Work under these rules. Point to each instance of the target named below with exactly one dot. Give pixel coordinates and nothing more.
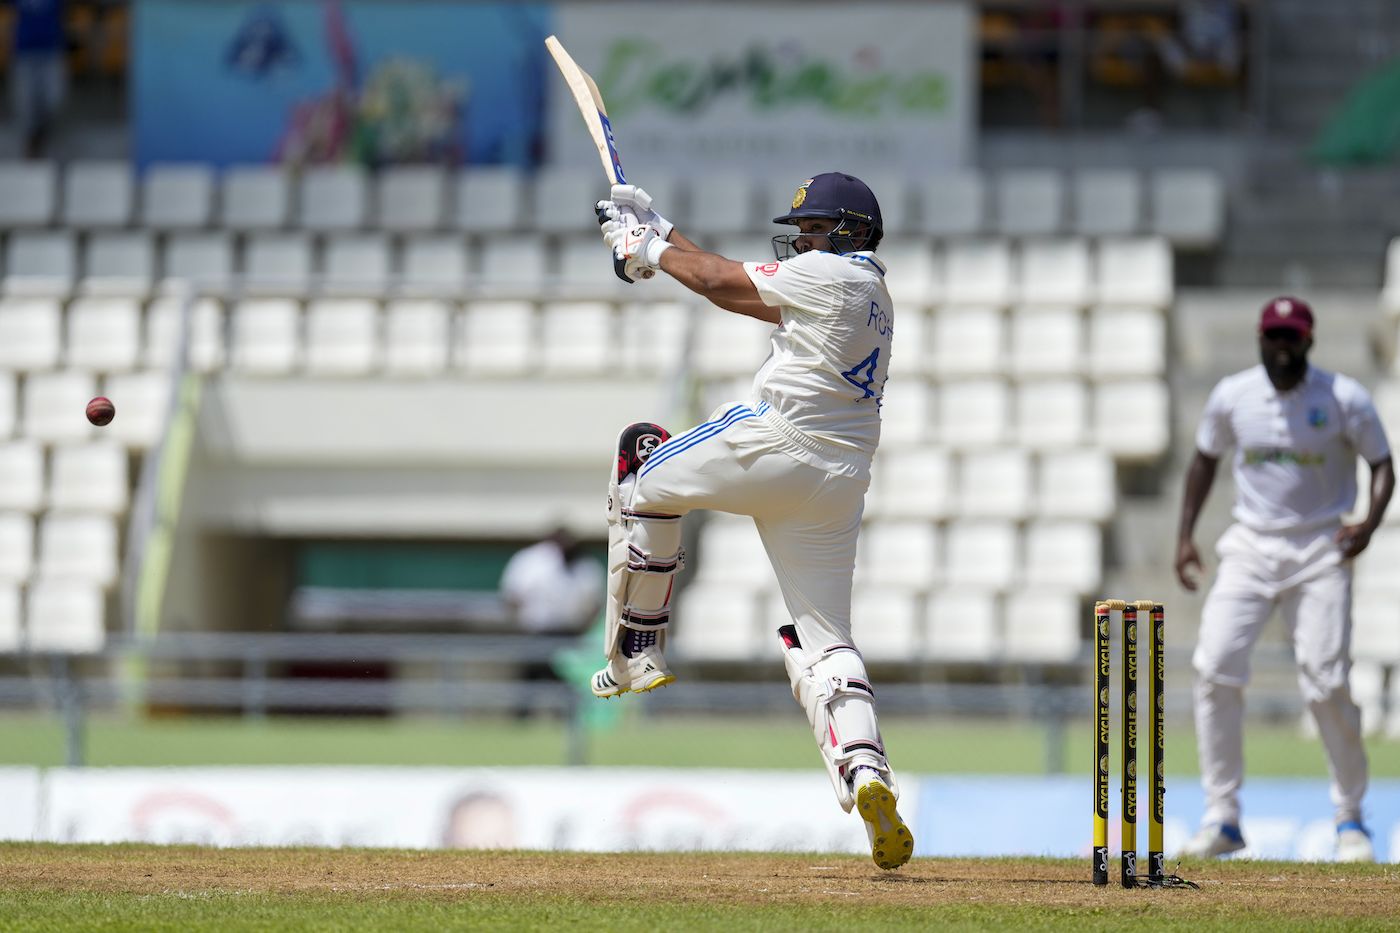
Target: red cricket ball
(101, 411)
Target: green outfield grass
(916, 745)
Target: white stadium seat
(907, 412)
(894, 191)
(206, 337)
(886, 623)
(65, 616)
(54, 405)
(411, 198)
(104, 334)
(968, 341)
(40, 264)
(204, 260)
(513, 263)
(333, 197)
(9, 404)
(89, 477)
(30, 333)
(1127, 342)
(912, 354)
(952, 203)
(489, 198)
(1132, 418)
(265, 336)
(977, 272)
(16, 547)
(177, 196)
(715, 622)
(78, 547)
(1054, 272)
(729, 344)
(1052, 413)
(356, 264)
(725, 204)
(417, 336)
(1135, 271)
(497, 337)
(434, 266)
(1063, 553)
(255, 197)
(962, 625)
(1029, 202)
(278, 263)
(1042, 626)
(730, 551)
(11, 618)
(1188, 206)
(1390, 293)
(1077, 484)
(342, 336)
(98, 194)
(142, 399)
(586, 264)
(653, 338)
(994, 483)
(22, 481)
(913, 483)
(564, 198)
(899, 553)
(28, 194)
(914, 275)
(1047, 341)
(974, 413)
(982, 553)
(1107, 202)
(1375, 620)
(577, 337)
(119, 264)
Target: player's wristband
(662, 225)
(655, 247)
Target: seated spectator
(37, 77)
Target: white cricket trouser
(808, 517)
(1304, 576)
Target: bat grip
(620, 265)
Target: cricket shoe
(1354, 843)
(1214, 839)
(646, 670)
(891, 842)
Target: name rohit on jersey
(1256, 456)
(880, 320)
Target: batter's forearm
(722, 281)
(681, 241)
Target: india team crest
(1317, 417)
(801, 194)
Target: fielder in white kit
(1297, 431)
(795, 456)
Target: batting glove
(633, 200)
(639, 248)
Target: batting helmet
(839, 197)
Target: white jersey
(1295, 451)
(831, 353)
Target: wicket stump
(1103, 668)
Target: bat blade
(591, 106)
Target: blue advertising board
(315, 81)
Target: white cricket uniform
(796, 455)
(1295, 476)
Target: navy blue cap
(836, 196)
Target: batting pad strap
(638, 561)
(646, 619)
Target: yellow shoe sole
(664, 680)
(892, 843)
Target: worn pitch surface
(46, 886)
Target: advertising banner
(621, 810)
(310, 81)
(724, 86)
